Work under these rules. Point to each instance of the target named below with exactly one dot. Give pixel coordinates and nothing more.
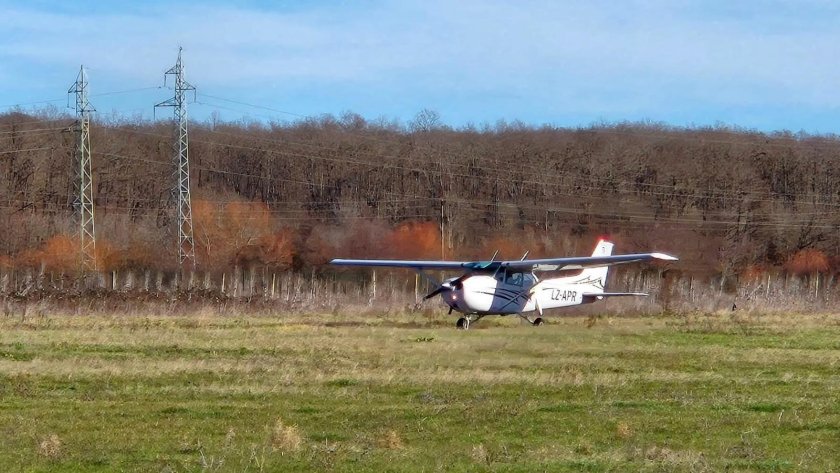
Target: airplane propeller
(456, 283)
(447, 286)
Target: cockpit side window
(528, 279)
(514, 279)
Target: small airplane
(513, 288)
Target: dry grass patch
(623, 430)
(665, 456)
(50, 447)
(285, 438)
(391, 440)
(230, 437)
(480, 454)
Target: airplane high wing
(546, 264)
(512, 288)
(397, 263)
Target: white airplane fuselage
(485, 294)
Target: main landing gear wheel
(463, 323)
(536, 322)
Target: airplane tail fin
(597, 277)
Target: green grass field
(410, 393)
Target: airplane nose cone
(454, 299)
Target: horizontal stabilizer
(600, 295)
(616, 294)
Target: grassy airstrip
(409, 393)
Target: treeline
(289, 196)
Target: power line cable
(577, 211)
(552, 184)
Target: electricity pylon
(186, 245)
(83, 205)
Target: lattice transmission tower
(186, 244)
(83, 204)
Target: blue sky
(767, 65)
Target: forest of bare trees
(739, 207)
